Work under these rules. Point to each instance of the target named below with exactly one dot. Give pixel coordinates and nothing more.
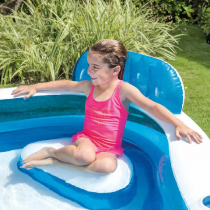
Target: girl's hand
(183, 130)
(24, 89)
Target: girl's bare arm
(159, 111)
(82, 86)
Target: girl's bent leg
(82, 153)
(105, 163)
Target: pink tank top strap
(91, 91)
(117, 90)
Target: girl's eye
(95, 67)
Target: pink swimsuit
(104, 122)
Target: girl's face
(99, 71)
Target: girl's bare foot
(41, 154)
(35, 163)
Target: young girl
(108, 97)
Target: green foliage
(170, 10)
(48, 37)
(187, 11)
(205, 20)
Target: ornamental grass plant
(44, 39)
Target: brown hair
(114, 53)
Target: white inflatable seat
(80, 177)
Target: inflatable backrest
(156, 79)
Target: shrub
(205, 20)
(170, 10)
(177, 10)
(45, 42)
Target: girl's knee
(109, 165)
(86, 156)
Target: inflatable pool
(158, 171)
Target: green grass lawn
(193, 65)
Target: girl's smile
(93, 78)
